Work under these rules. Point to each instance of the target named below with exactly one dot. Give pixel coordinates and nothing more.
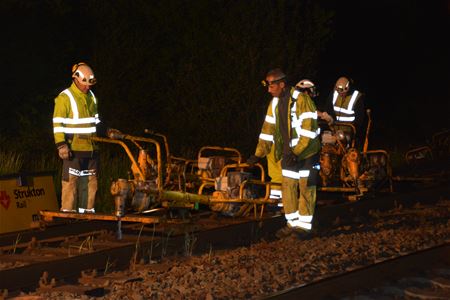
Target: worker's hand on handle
(252, 160)
(64, 152)
(326, 117)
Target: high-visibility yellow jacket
(302, 121)
(344, 108)
(75, 118)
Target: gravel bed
(270, 266)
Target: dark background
(192, 69)
(396, 51)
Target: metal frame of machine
(151, 188)
(344, 169)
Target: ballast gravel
(270, 266)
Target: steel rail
(226, 234)
(368, 277)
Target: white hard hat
(84, 74)
(305, 84)
(308, 86)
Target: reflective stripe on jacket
(75, 118)
(304, 131)
(343, 107)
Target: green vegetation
(10, 162)
(114, 164)
(190, 70)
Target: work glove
(64, 152)
(290, 159)
(114, 134)
(252, 160)
(326, 117)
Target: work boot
(302, 234)
(284, 232)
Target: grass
(87, 244)
(136, 249)
(113, 164)
(16, 242)
(151, 245)
(107, 266)
(165, 244)
(10, 162)
(210, 253)
(189, 242)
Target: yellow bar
(21, 199)
(49, 215)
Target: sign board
(21, 199)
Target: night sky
(395, 51)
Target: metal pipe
(224, 170)
(127, 150)
(221, 149)
(176, 196)
(133, 139)
(369, 124)
(342, 189)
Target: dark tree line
(187, 69)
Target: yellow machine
(438, 149)
(21, 199)
(216, 180)
(344, 169)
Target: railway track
(421, 275)
(68, 253)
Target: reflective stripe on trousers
(275, 194)
(295, 220)
(302, 204)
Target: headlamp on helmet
(266, 82)
(84, 74)
(342, 85)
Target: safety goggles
(266, 83)
(87, 81)
(90, 81)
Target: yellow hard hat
(342, 85)
(84, 74)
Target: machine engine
(228, 188)
(345, 169)
(136, 193)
